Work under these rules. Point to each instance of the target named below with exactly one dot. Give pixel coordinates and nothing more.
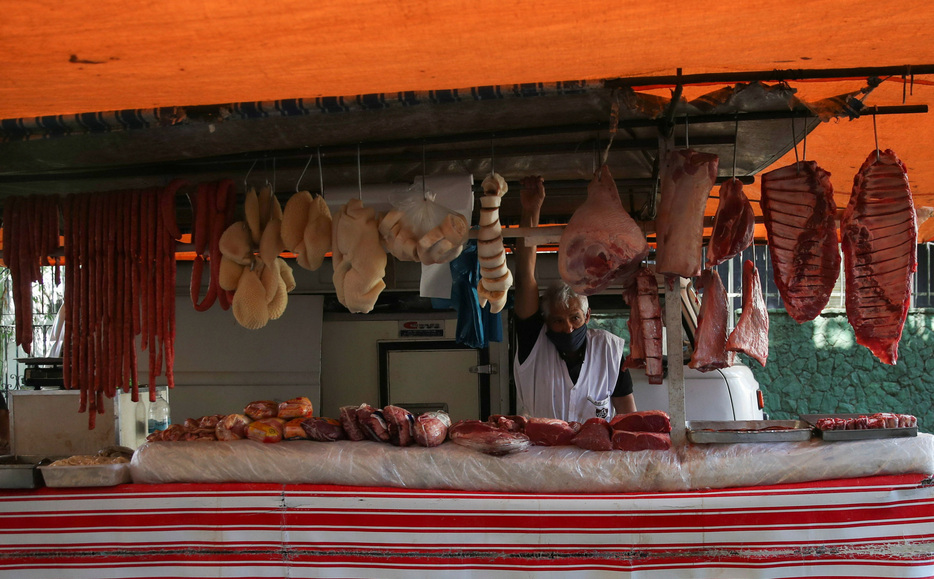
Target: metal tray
(865, 434)
(94, 475)
(734, 431)
(19, 472)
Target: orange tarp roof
(71, 57)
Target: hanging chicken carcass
(687, 177)
(799, 212)
(878, 235)
(601, 243)
(733, 224)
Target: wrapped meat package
(431, 428)
(295, 408)
(232, 427)
(323, 429)
(261, 409)
(265, 430)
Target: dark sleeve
(527, 331)
(623, 385)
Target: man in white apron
(562, 369)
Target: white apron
(544, 388)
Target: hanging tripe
(251, 266)
(495, 277)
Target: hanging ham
(733, 224)
(601, 243)
(710, 351)
(686, 180)
(751, 334)
(799, 211)
(878, 234)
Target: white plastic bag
(420, 229)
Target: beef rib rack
(879, 234)
(799, 213)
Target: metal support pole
(675, 360)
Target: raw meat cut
(799, 212)
(710, 351)
(323, 429)
(751, 334)
(400, 423)
(549, 432)
(733, 224)
(635, 441)
(877, 420)
(601, 243)
(348, 418)
(266, 430)
(373, 424)
(642, 421)
(879, 234)
(293, 430)
(431, 428)
(511, 422)
(594, 435)
(299, 407)
(686, 180)
(645, 326)
(260, 409)
(232, 427)
(486, 438)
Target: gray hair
(561, 293)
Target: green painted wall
(817, 367)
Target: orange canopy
(70, 57)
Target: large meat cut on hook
(878, 235)
(687, 177)
(601, 243)
(799, 212)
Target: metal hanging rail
(776, 75)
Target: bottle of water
(158, 415)
(142, 424)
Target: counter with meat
(537, 469)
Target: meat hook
(320, 173)
(245, 184)
(735, 138)
(794, 143)
(492, 154)
(424, 174)
(875, 133)
(298, 182)
(359, 175)
(614, 126)
(687, 138)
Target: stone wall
(817, 367)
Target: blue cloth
(476, 326)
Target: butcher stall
(205, 232)
(793, 509)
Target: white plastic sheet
(541, 469)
